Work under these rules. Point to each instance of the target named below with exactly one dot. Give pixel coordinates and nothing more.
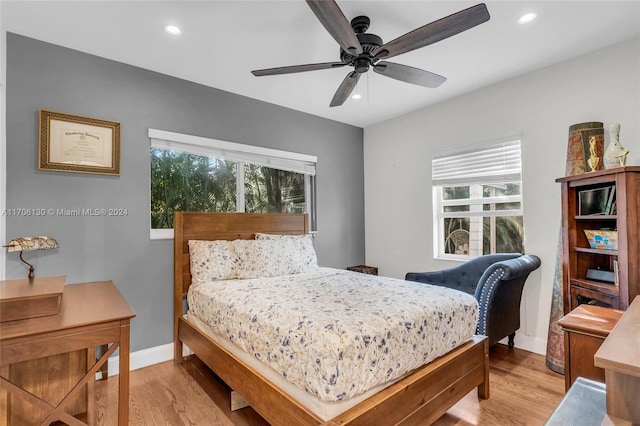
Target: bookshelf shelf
(602, 287)
(596, 217)
(596, 251)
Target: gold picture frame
(79, 144)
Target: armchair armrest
(507, 270)
(515, 268)
(499, 294)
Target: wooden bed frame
(419, 398)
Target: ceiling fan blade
(434, 32)
(346, 87)
(331, 17)
(297, 68)
(409, 74)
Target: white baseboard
(158, 354)
(529, 343)
(143, 358)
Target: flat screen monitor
(596, 201)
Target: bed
(418, 397)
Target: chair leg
(512, 336)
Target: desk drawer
(22, 349)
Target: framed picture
(74, 143)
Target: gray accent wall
(95, 248)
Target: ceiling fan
(364, 51)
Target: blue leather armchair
(496, 281)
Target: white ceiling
(222, 41)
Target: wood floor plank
(523, 392)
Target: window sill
(161, 234)
(454, 257)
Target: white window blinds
(487, 162)
(267, 157)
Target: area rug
(555, 337)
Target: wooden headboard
(222, 226)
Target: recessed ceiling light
(527, 17)
(173, 30)
(356, 96)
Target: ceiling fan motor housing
(369, 43)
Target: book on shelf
(610, 200)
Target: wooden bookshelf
(577, 255)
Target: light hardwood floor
(523, 392)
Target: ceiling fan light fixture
(173, 30)
(356, 94)
(527, 18)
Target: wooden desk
(91, 314)
(585, 329)
(620, 358)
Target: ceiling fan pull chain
(367, 87)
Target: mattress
(335, 333)
(326, 410)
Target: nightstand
(371, 270)
(585, 329)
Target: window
(477, 199)
(190, 173)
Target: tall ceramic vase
(586, 143)
(615, 155)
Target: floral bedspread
(337, 333)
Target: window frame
(242, 154)
(508, 174)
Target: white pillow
(212, 260)
(266, 258)
(304, 246)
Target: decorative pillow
(304, 245)
(266, 258)
(212, 260)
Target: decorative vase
(586, 142)
(615, 155)
(593, 160)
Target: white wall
(3, 144)
(602, 86)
